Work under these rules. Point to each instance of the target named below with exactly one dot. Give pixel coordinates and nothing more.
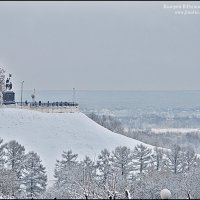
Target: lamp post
(73, 95)
(33, 97)
(21, 91)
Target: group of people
(39, 103)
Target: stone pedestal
(8, 97)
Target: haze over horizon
(99, 46)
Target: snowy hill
(48, 134)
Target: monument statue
(8, 95)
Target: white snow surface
(48, 134)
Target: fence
(55, 107)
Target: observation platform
(55, 107)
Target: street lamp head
(33, 96)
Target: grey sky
(100, 45)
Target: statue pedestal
(8, 97)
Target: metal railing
(54, 107)
(48, 104)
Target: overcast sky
(100, 45)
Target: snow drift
(48, 134)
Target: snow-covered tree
(66, 171)
(35, 178)
(109, 180)
(190, 183)
(104, 165)
(108, 122)
(157, 157)
(142, 157)
(74, 179)
(87, 182)
(114, 125)
(64, 165)
(108, 177)
(94, 117)
(2, 154)
(7, 183)
(190, 158)
(122, 160)
(15, 154)
(175, 159)
(88, 166)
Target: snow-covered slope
(48, 134)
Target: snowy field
(48, 134)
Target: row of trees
(165, 140)
(22, 175)
(108, 122)
(123, 173)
